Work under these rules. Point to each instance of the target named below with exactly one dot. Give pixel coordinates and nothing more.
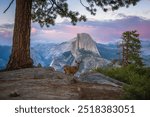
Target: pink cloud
(64, 33)
(144, 31)
(100, 31)
(78, 29)
(54, 33)
(5, 33)
(33, 30)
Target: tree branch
(82, 4)
(52, 5)
(8, 6)
(54, 2)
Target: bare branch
(82, 4)
(8, 6)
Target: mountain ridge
(84, 41)
(45, 53)
(81, 48)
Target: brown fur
(71, 69)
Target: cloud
(121, 15)
(7, 26)
(104, 31)
(146, 12)
(6, 34)
(5, 29)
(33, 30)
(100, 31)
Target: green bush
(137, 80)
(140, 89)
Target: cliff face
(85, 42)
(82, 48)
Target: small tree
(131, 47)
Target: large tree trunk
(20, 56)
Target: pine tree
(45, 13)
(131, 48)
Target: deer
(71, 69)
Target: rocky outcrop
(42, 83)
(82, 48)
(94, 77)
(83, 41)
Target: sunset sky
(103, 28)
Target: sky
(103, 28)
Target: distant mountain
(79, 48)
(42, 53)
(146, 52)
(39, 54)
(108, 51)
(84, 41)
(4, 55)
(146, 59)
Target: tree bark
(20, 55)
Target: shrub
(139, 90)
(137, 80)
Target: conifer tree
(131, 48)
